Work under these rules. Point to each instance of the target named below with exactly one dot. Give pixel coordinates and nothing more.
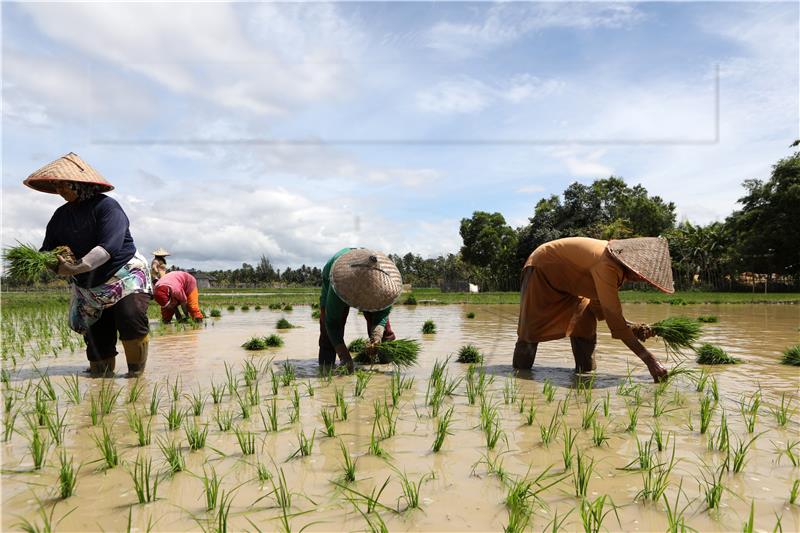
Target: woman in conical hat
(158, 266)
(569, 284)
(360, 278)
(110, 284)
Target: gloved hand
(66, 269)
(642, 331)
(345, 357)
(377, 335)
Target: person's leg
(101, 345)
(524, 355)
(583, 337)
(131, 319)
(327, 355)
(524, 350)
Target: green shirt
(336, 310)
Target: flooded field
(536, 450)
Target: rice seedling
(224, 420)
(712, 488)
(223, 509)
(270, 422)
(175, 389)
(530, 415)
(262, 472)
(26, 262)
(349, 464)
(676, 516)
(246, 440)
(707, 319)
(633, 418)
(8, 425)
(108, 447)
(362, 379)
(274, 382)
(581, 474)
(791, 356)
(288, 307)
(782, 412)
(708, 354)
(470, 315)
(398, 384)
(789, 451)
(174, 416)
(195, 435)
(173, 455)
(401, 352)
(211, 485)
(197, 402)
(720, 439)
(341, 406)
(253, 395)
(275, 306)
(217, 393)
(706, 411)
(375, 442)
(231, 380)
(715, 390)
(155, 400)
(9, 399)
(740, 451)
(48, 526)
(593, 513)
(411, 491)
(569, 443)
(749, 412)
(245, 408)
(607, 405)
(137, 425)
(231, 308)
(38, 447)
(548, 391)
(67, 476)
(56, 426)
(107, 396)
(328, 418)
(304, 445)
(429, 327)
(255, 343)
(469, 354)
(510, 390)
(357, 346)
(281, 492)
(289, 375)
(215, 313)
(315, 314)
(599, 433)
(273, 341)
(645, 456)
(372, 499)
(655, 480)
(556, 524)
(794, 491)
(677, 332)
(588, 416)
(135, 391)
(548, 432)
(41, 407)
(701, 380)
(249, 373)
(442, 429)
(72, 389)
(145, 482)
(245, 307)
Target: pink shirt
(181, 283)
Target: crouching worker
(360, 278)
(110, 283)
(177, 291)
(569, 284)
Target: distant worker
(110, 283)
(360, 278)
(569, 284)
(158, 266)
(176, 291)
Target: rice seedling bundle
(357, 346)
(401, 352)
(708, 354)
(26, 263)
(283, 324)
(429, 327)
(791, 356)
(469, 354)
(677, 332)
(707, 319)
(261, 343)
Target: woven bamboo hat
(366, 279)
(161, 253)
(67, 168)
(648, 257)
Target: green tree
(491, 245)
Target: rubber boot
(103, 367)
(583, 351)
(524, 355)
(136, 355)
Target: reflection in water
(458, 494)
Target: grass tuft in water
(195, 435)
(283, 324)
(791, 356)
(172, 454)
(246, 440)
(108, 447)
(429, 327)
(145, 481)
(442, 429)
(67, 475)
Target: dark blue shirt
(82, 225)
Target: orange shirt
(575, 268)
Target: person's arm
(166, 315)
(379, 319)
(96, 257)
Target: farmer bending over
(569, 284)
(175, 291)
(110, 284)
(360, 278)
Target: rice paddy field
(215, 437)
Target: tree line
(759, 243)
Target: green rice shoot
(24, 262)
(678, 333)
(469, 354)
(283, 324)
(401, 352)
(708, 354)
(708, 319)
(791, 356)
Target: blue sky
(293, 129)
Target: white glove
(377, 335)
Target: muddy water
(459, 493)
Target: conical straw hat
(161, 253)
(648, 257)
(67, 168)
(366, 279)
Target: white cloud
(463, 95)
(531, 189)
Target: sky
(232, 130)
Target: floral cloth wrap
(87, 304)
